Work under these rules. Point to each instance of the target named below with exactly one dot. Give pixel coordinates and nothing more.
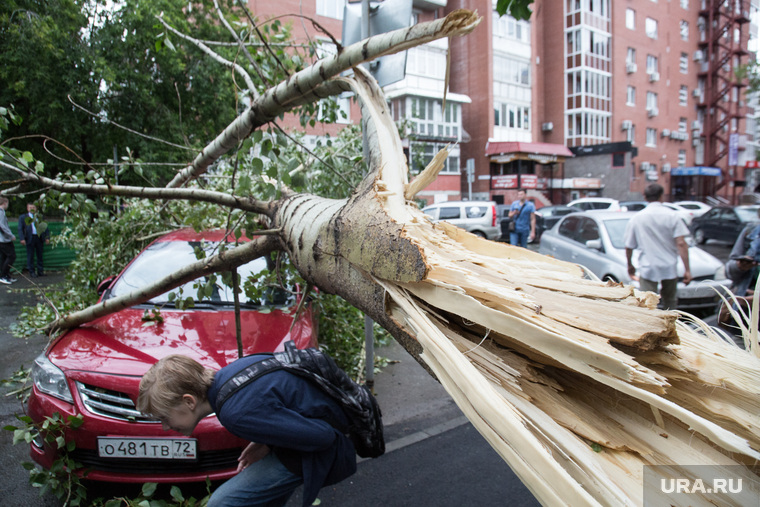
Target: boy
(297, 432)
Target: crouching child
(297, 432)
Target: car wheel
(699, 236)
(609, 278)
(479, 234)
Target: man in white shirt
(659, 233)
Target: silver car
(477, 217)
(595, 240)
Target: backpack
(358, 403)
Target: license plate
(153, 448)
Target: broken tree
(578, 384)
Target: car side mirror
(105, 284)
(596, 244)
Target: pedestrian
(741, 267)
(7, 251)
(660, 235)
(523, 213)
(34, 235)
(297, 431)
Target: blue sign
(695, 171)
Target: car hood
(124, 344)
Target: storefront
(694, 183)
(530, 166)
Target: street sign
(383, 17)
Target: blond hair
(164, 384)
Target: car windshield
(163, 258)
(616, 231)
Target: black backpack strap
(245, 377)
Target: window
(512, 116)
(684, 30)
(630, 135)
(651, 28)
(683, 63)
(509, 70)
(429, 120)
(652, 102)
(681, 158)
(683, 95)
(331, 8)
(685, 4)
(682, 124)
(422, 154)
(651, 138)
(630, 96)
(630, 57)
(652, 64)
(630, 19)
(448, 213)
(510, 28)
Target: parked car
(690, 209)
(95, 370)
(685, 215)
(596, 240)
(633, 205)
(547, 216)
(596, 204)
(723, 223)
(477, 217)
(696, 208)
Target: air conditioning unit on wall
(654, 76)
(626, 125)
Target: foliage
(518, 9)
(63, 479)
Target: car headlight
(720, 273)
(49, 379)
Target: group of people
(33, 235)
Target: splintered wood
(576, 383)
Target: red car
(95, 370)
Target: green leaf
(169, 44)
(176, 494)
(27, 157)
(149, 489)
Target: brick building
(589, 97)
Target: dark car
(547, 216)
(95, 370)
(723, 223)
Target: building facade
(589, 97)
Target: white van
(477, 217)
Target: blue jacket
(292, 416)
(25, 231)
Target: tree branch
(247, 54)
(213, 54)
(220, 198)
(223, 261)
(303, 86)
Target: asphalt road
(435, 457)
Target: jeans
(7, 258)
(264, 483)
(668, 298)
(519, 238)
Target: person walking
(659, 234)
(34, 235)
(523, 213)
(7, 252)
(297, 431)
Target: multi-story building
(589, 97)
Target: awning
(543, 153)
(695, 171)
